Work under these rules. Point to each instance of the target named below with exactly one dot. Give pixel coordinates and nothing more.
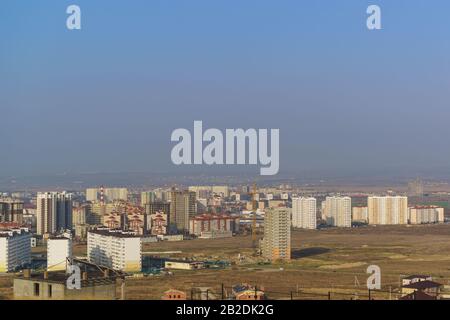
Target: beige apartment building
(387, 210)
(359, 214)
(425, 214)
(182, 208)
(338, 211)
(276, 244)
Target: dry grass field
(327, 260)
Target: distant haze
(347, 101)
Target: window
(36, 289)
(49, 290)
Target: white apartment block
(116, 249)
(59, 249)
(15, 249)
(304, 213)
(276, 244)
(338, 211)
(387, 210)
(425, 214)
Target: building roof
(119, 233)
(417, 295)
(95, 275)
(423, 285)
(426, 207)
(416, 276)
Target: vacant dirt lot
(328, 260)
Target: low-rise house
(174, 294)
(415, 278)
(247, 292)
(417, 295)
(431, 288)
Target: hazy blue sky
(107, 98)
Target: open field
(328, 260)
(324, 260)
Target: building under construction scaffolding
(97, 283)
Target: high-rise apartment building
(109, 194)
(147, 197)
(182, 208)
(359, 214)
(338, 211)
(11, 210)
(387, 210)
(276, 244)
(59, 249)
(425, 214)
(116, 249)
(304, 213)
(54, 212)
(15, 249)
(205, 191)
(415, 188)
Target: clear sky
(107, 97)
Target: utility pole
(122, 289)
(222, 292)
(255, 207)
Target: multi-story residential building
(54, 212)
(213, 226)
(338, 211)
(157, 208)
(147, 197)
(304, 213)
(387, 210)
(415, 188)
(359, 214)
(109, 194)
(276, 244)
(425, 214)
(158, 224)
(11, 210)
(82, 218)
(205, 191)
(99, 210)
(116, 249)
(182, 208)
(59, 249)
(15, 249)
